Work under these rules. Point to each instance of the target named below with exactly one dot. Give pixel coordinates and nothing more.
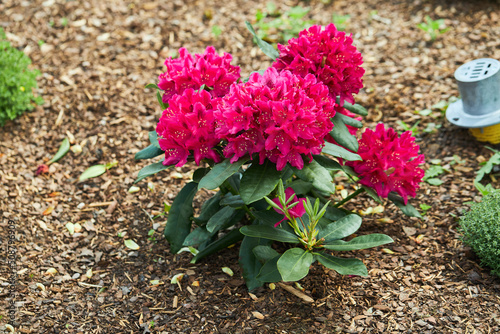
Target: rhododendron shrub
(269, 147)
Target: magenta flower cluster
(282, 115)
(278, 115)
(209, 69)
(188, 125)
(327, 54)
(390, 163)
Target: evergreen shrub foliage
(16, 82)
(481, 230)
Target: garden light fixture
(479, 107)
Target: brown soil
(94, 70)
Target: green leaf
(209, 208)
(149, 152)
(249, 263)
(151, 170)
(434, 182)
(258, 181)
(355, 108)
(227, 240)
(179, 218)
(344, 266)
(334, 214)
(269, 271)
(153, 138)
(433, 171)
(340, 152)
(151, 85)
(294, 264)
(264, 252)
(349, 120)
(233, 201)
(269, 232)
(200, 173)
(268, 217)
(328, 163)
(197, 236)
(342, 135)
(341, 228)
(361, 242)
(221, 218)
(407, 209)
(130, 244)
(488, 166)
(92, 171)
(61, 152)
(220, 173)
(316, 174)
(267, 48)
(160, 100)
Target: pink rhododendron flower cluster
(327, 54)
(208, 69)
(390, 163)
(187, 127)
(295, 212)
(278, 115)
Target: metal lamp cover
(479, 86)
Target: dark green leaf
(301, 187)
(233, 201)
(197, 236)
(267, 48)
(341, 228)
(92, 171)
(407, 209)
(229, 239)
(179, 217)
(361, 242)
(220, 173)
(269, 271)
(209, 208)
(149, 152)
(200, 173)
(356, 108)
(269, 232)
(294, 264)
(249, 263)
(221, 218)
(151, 170)
(342, 135)
(344, 266)
(372, 193)
(349, 120)
(264, 253)
(268, 217)
(258, 181)
(328, 163)
(340, 152)
(316, 174)
(334, 214)
(61, 152)
(153, 138)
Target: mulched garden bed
(97, 56)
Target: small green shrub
(16, 82)
(481, 230)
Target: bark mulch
(97, 56)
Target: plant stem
(348, 198)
